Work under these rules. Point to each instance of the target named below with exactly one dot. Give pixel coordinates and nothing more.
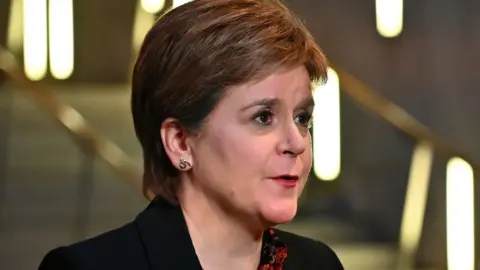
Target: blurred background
(395, 135)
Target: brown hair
(194, 53)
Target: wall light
(35, 39)
(326, 128)
(152, 6)
(389, 15)
(60, 23)
(460, 215)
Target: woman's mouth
(286, 180)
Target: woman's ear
(174, 138)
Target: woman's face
(254, 154)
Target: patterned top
(274, 252)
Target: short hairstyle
(194, 53)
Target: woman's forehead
(290, 84)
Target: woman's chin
(280, 212)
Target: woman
(221, 103)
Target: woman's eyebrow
(267, 102)
(307, 102)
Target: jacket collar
(164, 233)
(165, 236)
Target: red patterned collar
(274, 252)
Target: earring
(183, 164)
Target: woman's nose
(293, 141)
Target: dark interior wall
(4, 16)
(103, 39)
(431, 71)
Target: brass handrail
(397, 116)
(86, 137)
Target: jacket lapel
(165, 237)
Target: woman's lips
(286, 180)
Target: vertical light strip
(177, 3)
(389, 15)
(15, 26)
(35, 38)
(326, 128)
(415, 204)
(61, 38)
(460, 215)
(143, 21)
(152, 6)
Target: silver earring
(183, 164)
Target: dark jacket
(158, 239)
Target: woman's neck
(221, 241)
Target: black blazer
(158, 239)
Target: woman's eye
(304, 119)
(264, 118)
